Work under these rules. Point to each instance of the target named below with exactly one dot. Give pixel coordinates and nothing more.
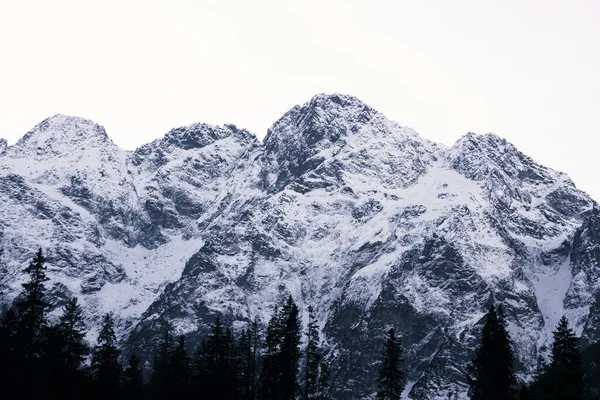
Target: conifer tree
(391, 375)
(214, 357)
(217, 373)
(564, 378)
(504, 356)
(246, 362)
(179, 371)
(290, 349)
(32, 311)
(270, 377)
(279, 378)
(538, 387)
(133, 380)
(105, 368)
(71, 328)
(200, 369)
(161, 375)
(230, 368)
(32, 325)
(490, 373)
(248, 345)
(65, 353)
(312, 358)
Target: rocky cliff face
(341, 208)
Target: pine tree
(180, 373)
(105, 367)
(312, 358)
(32, 311)
(279, 378)
(230, 372)
(217, 373)
(71, 328)
(538, 387)
(213, 374)
(32, 326)
(506, 378)
(161, 374)
(564, 378)
(200, 370)
(133, 380)
(65, 353)
(245, 359)
(490, 373)
(290, 349)
(270, 377)
(391, 375)
(248, 346)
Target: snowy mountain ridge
(343, 209)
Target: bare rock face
(356, 215)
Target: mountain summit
(348, 212)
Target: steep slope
(343, 209)
(116, 226)
(375, 226)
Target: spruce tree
(248, 346)
(230, 373)
(32, 327)
(312, 357)
(71, 328)
(65, 353)
(245, 360)
(32, 311)
(200, 369)
(270, 377)
(290, 349)
(214, 356)
(564, 378)
(391, 375)
(279, 378)
(506, 378)
(217, 373)
(133, 380)
(490, 373)
(179, 371)
(105, 368)
(161, 373)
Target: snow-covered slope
(343, 209)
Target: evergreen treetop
(391, 375)
(105, 367)
(490, 373)
(32, 309)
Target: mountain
(356, 215)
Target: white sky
(526, 70)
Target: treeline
(54, 361)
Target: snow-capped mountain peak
(58, 135)
(356, 215)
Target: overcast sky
(526, 70)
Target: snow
(378, 194)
